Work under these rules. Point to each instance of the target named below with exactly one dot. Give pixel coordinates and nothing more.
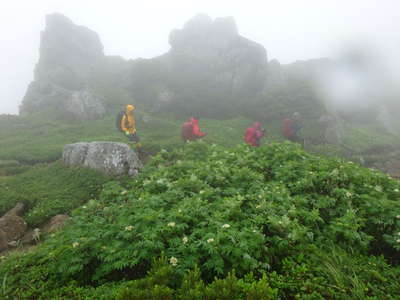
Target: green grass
(47, 190)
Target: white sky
(289, 29)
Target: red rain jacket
(253, 135)
(191, 130)
(287, 128)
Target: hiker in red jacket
(291, 127)
(191, 130)
(254, 134)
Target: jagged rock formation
(69, 57)
(208, 60)
(111, 158)
(212, 52)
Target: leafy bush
(304, 226)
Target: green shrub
(292, 219)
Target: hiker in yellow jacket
(128, 124)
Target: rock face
(212, 52)
(12, 227)
(111, 158)
(69, 58)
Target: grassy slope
(47, 190)
(310, 224)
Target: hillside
(213, 219)
(269, 222)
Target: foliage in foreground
(304, 227)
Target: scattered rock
(3, 241)
(108, 157)
(55, 223)
(16, 211)
(31, 237)
(12, 227)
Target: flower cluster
(173, 261)
(129, 228)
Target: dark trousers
(134, 138)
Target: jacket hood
(129, 108)
(257, 125)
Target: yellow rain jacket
(128, 123)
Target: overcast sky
(289, 29)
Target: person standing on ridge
(191, 130)
(127, 124)
(254, 134)
(291, 127)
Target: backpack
(187, 131)
(118, 120)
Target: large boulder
(70, 56)
(108, 157)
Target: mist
(288, 30)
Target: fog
(289, 30)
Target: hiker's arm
(123, 123)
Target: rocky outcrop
(12, 227)
(212, 52)
(69, 58)
(108, 157)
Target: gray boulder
(111, 158)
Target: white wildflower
(210, 240)
(398, 216)
(124, 192)
(185, 239)
(171, 224)
(396, 190)
(348, 194)
(75, 244)
(398, 241)
(226, 226)
(173, 261)
(129, 228)
(84, 206)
